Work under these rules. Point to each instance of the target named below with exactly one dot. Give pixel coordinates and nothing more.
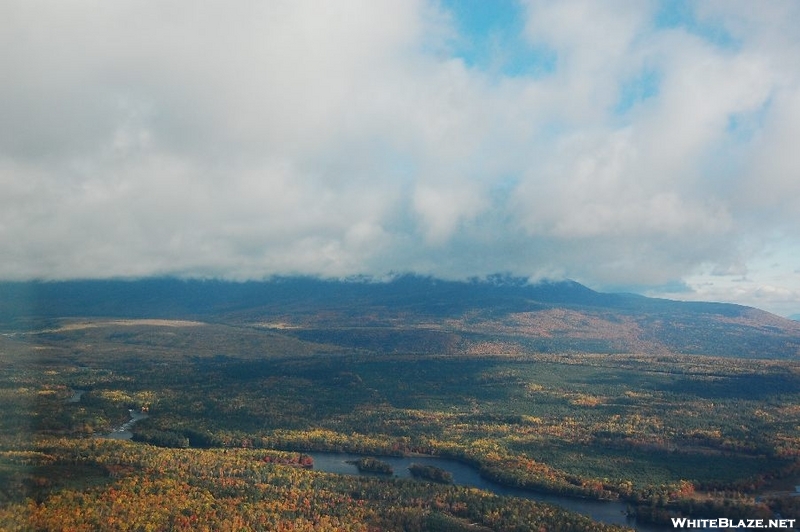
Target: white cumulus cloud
(243, 140)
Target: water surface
(611, 512)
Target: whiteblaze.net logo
(722, 522)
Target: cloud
(618, 143)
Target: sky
(645, 146)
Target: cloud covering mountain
(639, 145)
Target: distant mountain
(421, 314)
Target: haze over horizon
(645, 146)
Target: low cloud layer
(627, 145)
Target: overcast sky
(647, 146)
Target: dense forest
(226, 412)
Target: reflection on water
(76, 396)
(123, 432)
(611, 512)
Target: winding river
(123, 432)
(611, 512)
(76, 396)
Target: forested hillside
(424, 315)
(665, 408)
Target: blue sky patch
(643, 86)
(491, 38)
(742, 127)
(681, 14)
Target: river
(611, 512)
(76, 396)
(123, 432)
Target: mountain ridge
(415, 313)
